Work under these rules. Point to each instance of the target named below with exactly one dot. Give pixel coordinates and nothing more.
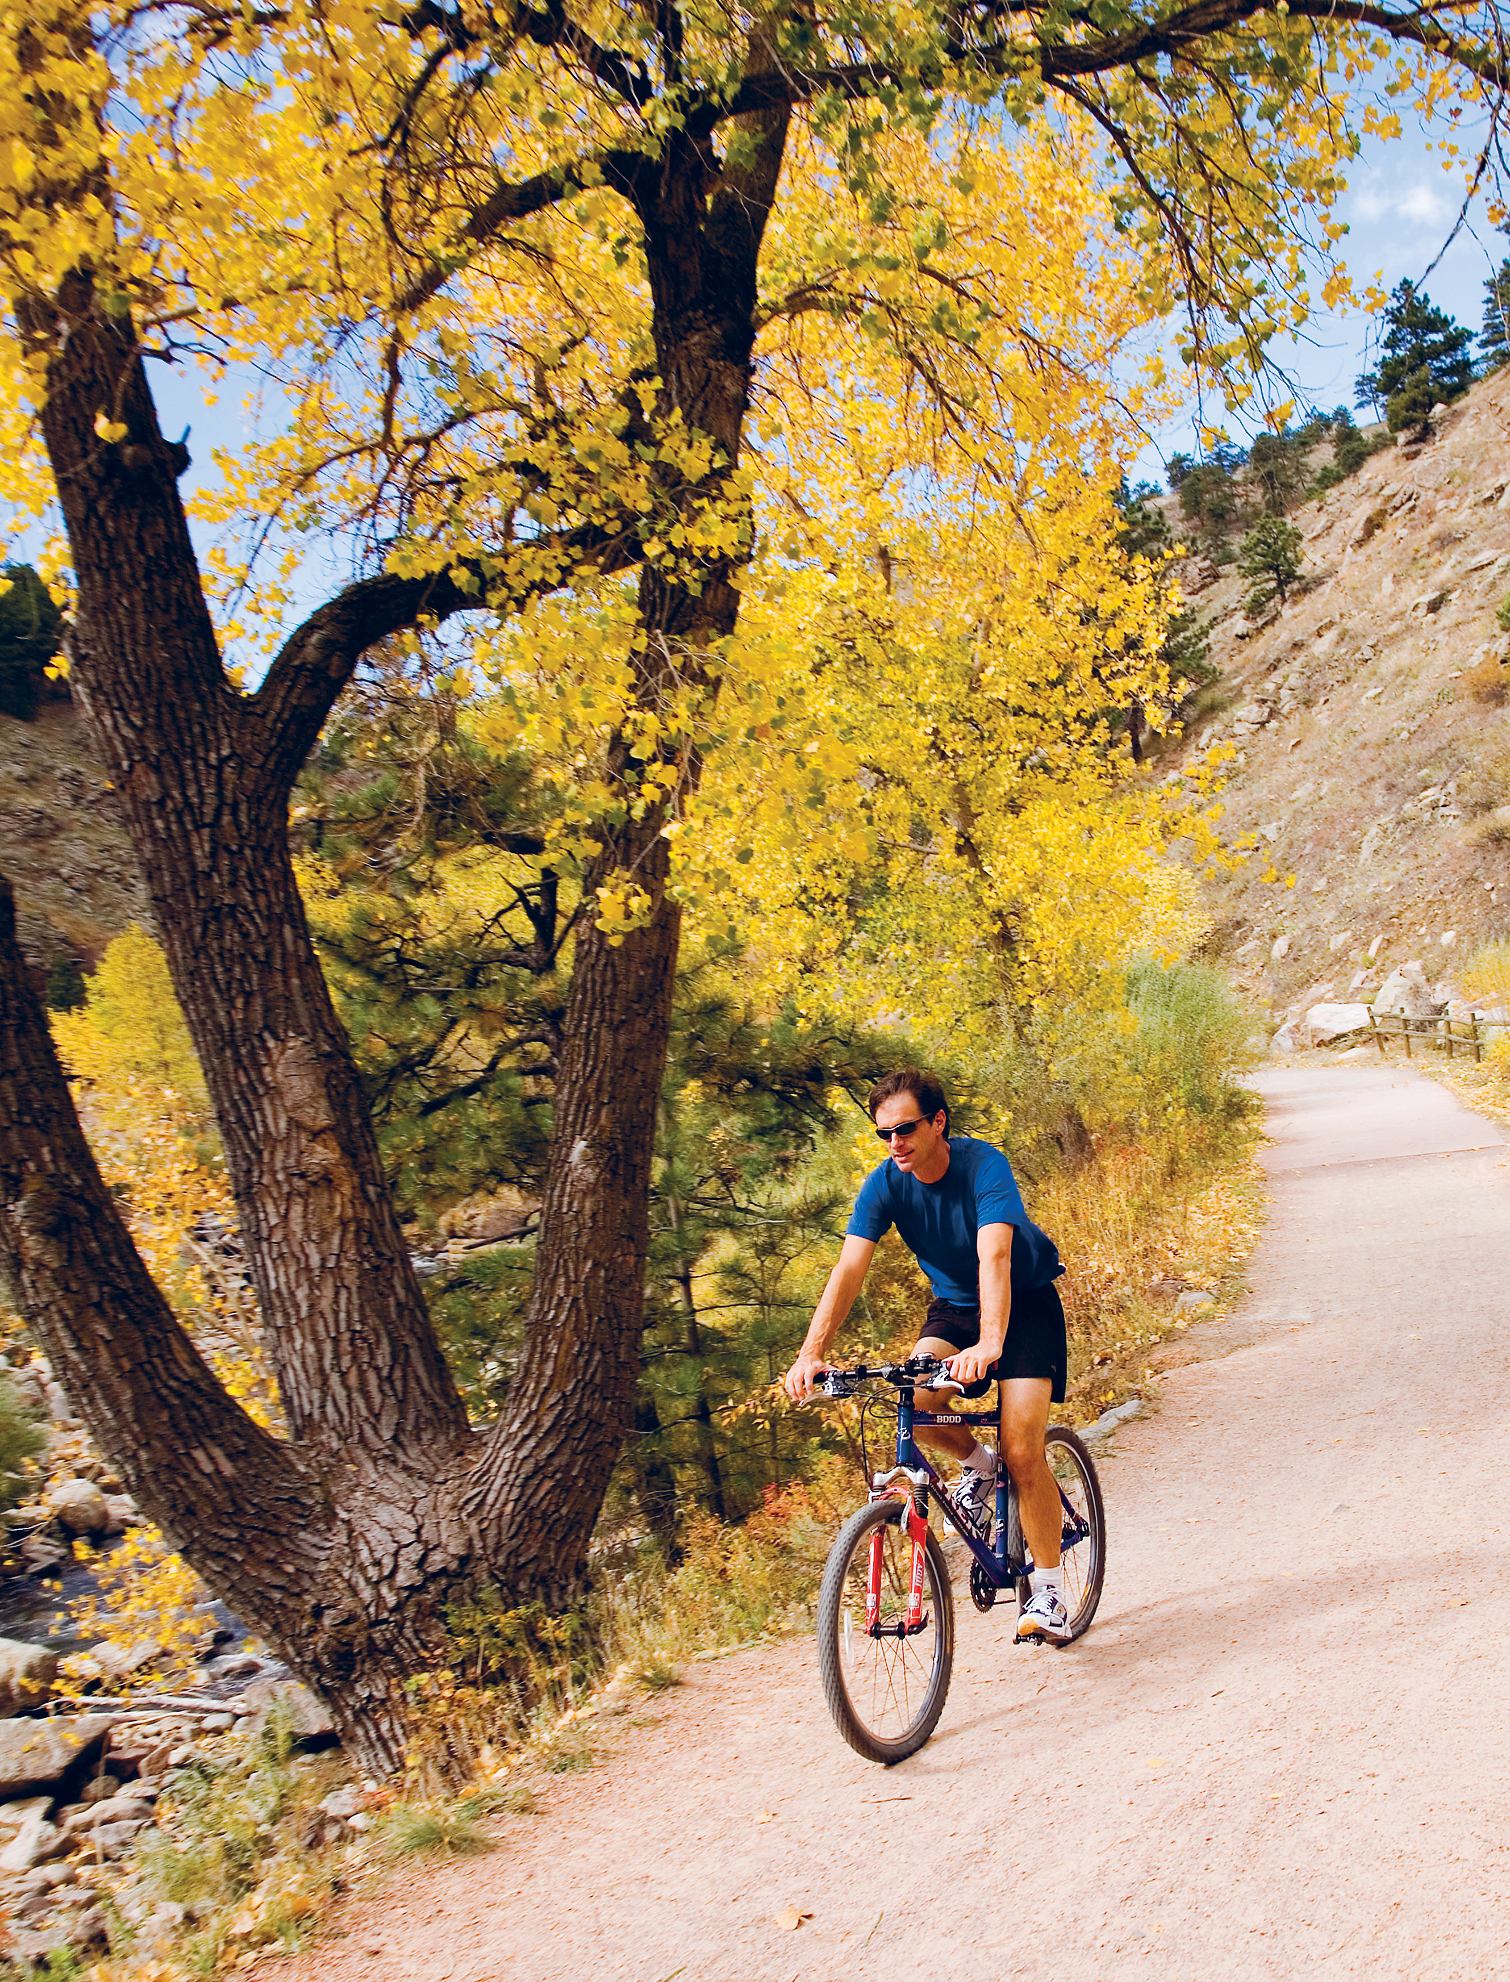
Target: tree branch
(316, 662)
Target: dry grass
(1128, 1226)
(1485, 783)
(1494, 828)
(1487, 682)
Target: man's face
(909, 1151)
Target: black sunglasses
(902, 1128)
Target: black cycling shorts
(1035, 1346)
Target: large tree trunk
(343, 1544)
(344, 1579)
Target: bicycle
(886, 1606)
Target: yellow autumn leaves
(912, 748)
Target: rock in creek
(26, 1676)
(79, 1506)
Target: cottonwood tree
(509, 265)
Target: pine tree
(1270, 556)
(1418, 335)
(1494, 338)
(29, 624)
(1410, 406)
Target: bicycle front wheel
(1083, 1560)
(884, 1692)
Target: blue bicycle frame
(914, 1464)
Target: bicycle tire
(884, 1699)
(1016, 1546)
(1083, 1564)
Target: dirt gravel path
(1283, 1749)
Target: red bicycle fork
(916, 1524)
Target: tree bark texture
(343, 1543)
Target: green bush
(66, 989)
(23, 1438)
(1191, 1039)
(1163, 1049)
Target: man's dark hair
(927, 1089)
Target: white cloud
(1420, 204)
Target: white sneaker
(975, 1497)
(1045, 1618)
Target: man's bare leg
(1025, 1402)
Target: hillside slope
(1372, 741)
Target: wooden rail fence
(1447, 1035)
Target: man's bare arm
(838, 1297)
(993, 1247)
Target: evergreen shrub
(23, 1438)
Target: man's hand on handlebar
(800, 1381)
(971, 1365)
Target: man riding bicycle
(995, 1315)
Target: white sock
(983, 1461)
(1051, 1580)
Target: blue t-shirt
(939, 1222)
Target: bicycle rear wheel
(1083, 1559)
(885, 1694)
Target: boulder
(79, 1506)
(37, 1753)
(1406, 992)
(34, 1836)
(123, 1809)
(26, 1676)
(1326, 1022)
(494, 1222)
(120, 1662)
(14, 1815)
(310, 1718)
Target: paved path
(1283, 1750)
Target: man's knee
(1022, 1449)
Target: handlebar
(844, 1383)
